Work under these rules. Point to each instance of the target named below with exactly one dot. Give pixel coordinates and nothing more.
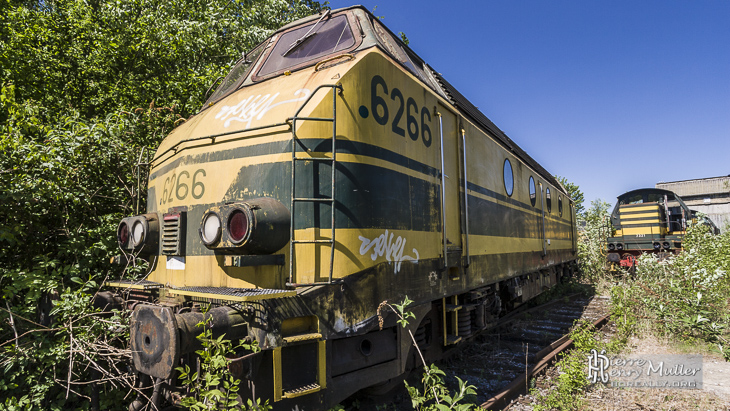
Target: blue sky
(613, 95)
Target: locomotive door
(450, 187)
(542, 210)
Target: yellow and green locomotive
(648, 220)
(333, 170)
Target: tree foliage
(594, 231)
(98, 56)
(84, 87)
(574, 193)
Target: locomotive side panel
(507, 237)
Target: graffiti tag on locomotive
(333, 170)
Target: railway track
(497, 361)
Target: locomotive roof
(469, 110)
(446, 90)
(650, 190)
(464, 106)
(644, 192)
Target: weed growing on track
(571, 380)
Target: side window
(533, 192)
(560, 205)
(509, 182)
(394, 48)
(548, 201)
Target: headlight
(211, 228)
(256, 226)
(138, 231)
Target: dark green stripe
(494, 219)
(316, 145)
(641, 225)
(371, 197)
(319, 145)
(638, 213)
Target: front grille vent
(173, 229)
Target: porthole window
(547, 200)
(533, 192)
(509, 182)
(560, 205)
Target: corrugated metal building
(706, 195)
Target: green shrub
(685, 295)
(214, 387)
(84, 87)
(592, 241)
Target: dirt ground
(715, 394)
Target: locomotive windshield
(299, 46)
(239, 73)
(326, 36)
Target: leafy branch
(436, 395)
(214, 387)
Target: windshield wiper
(298, 43)
(305, 37)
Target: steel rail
(544, 358)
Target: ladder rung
(315, 199)
(302, 337)
(453, 307)
(452, 339)
(297, 392)
(311, 241)
(314, 158)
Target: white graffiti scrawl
(383, 245)
(255, 107)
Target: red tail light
(238, 226)
(123, 234)
(139, 233)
